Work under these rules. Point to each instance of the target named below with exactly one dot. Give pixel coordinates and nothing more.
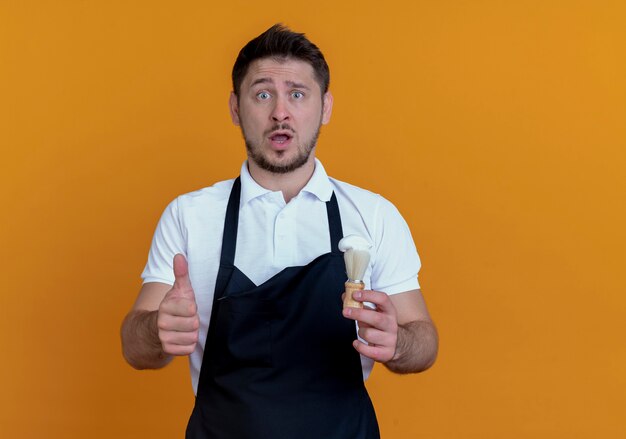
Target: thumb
(181, 274)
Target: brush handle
(351, 287)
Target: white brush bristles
(356, 263)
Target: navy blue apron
(278, 360)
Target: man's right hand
(177, 319)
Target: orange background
(497, 128)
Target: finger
(365, 325)
(171, 338)
(380, 299)
(376, 337)
(178, 306)
(175, 323)
(181, 274)
(179, 350)
(381, 354)
(376, 319)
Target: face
(280, 110)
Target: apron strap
(334, 224)
(229, 238)
(229, 243)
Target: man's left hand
(377, 327)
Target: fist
(177, 319)
(377, 327)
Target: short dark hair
(280, 43)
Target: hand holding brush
(357, 258)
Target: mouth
(280, 139)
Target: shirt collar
(250, 189)
(318, 185)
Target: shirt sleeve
(396, 263)
(168, 240)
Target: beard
(263, 161)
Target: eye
(263, 95)
(297, 94)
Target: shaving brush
(357, 258)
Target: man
(245, 277)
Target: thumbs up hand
(177, 319)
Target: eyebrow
(271, 81)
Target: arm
(163, 322)
(398, 333)
(141, 345)
(418, 341)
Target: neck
(290, 183)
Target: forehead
(275, 71)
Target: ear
(327, 107)
(234, 108)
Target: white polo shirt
(273, 235)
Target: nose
(280, 111)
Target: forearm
(140, 341)
(416, 348)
